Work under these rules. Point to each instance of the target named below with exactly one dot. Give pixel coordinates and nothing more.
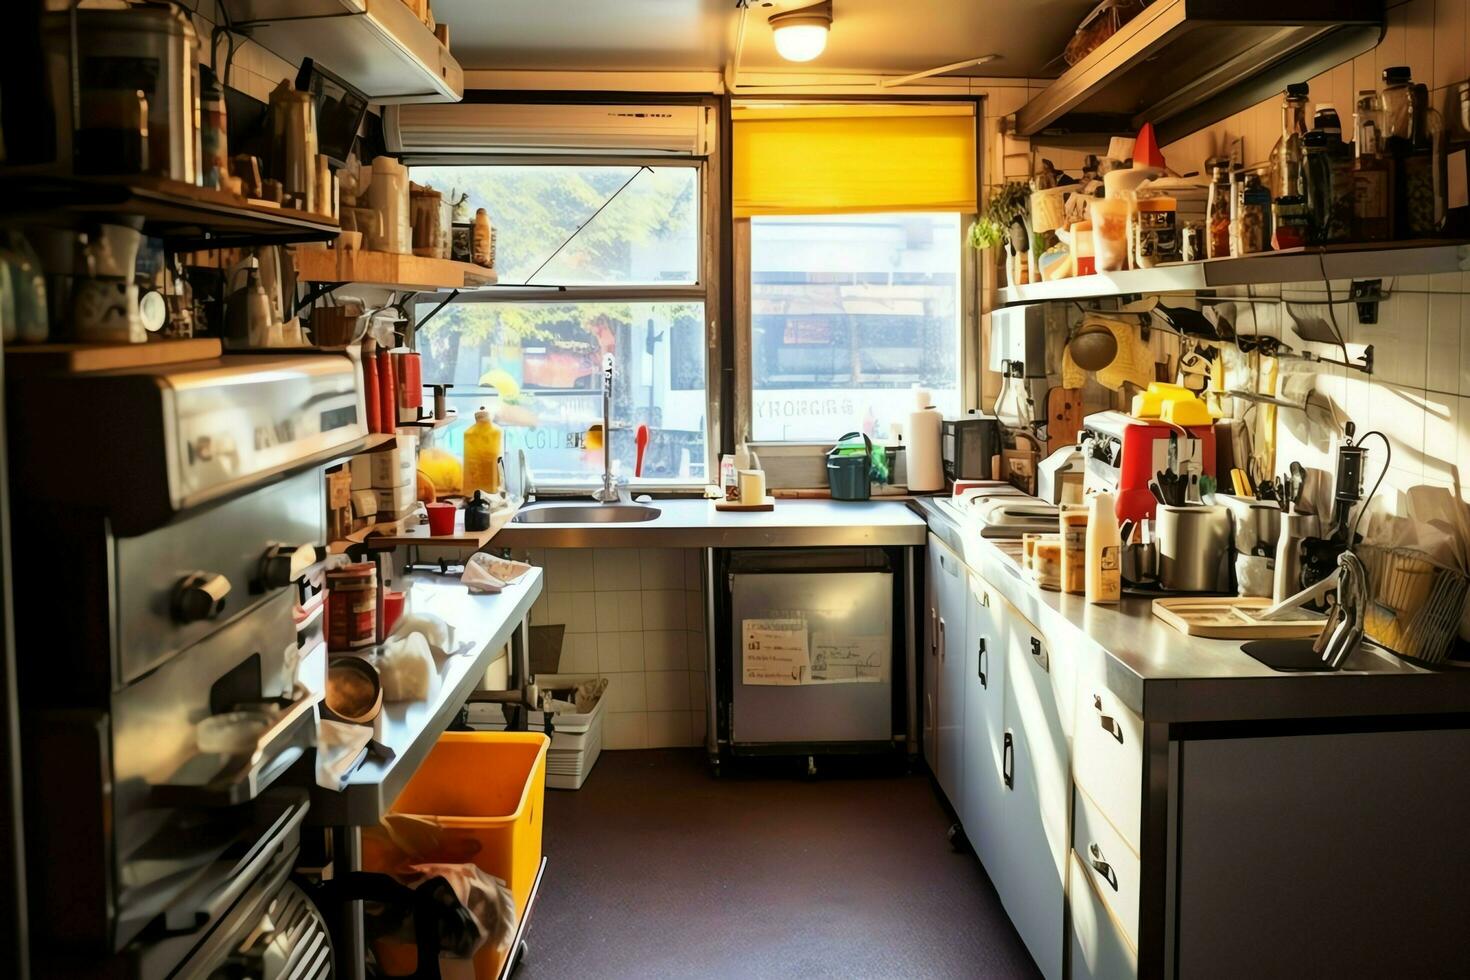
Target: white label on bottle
(1457, 193)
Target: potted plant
(1006, 205)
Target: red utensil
(640, 439)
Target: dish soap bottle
(482, 455)
(1104, 576)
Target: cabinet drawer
(1110, 863)
(1107, 750)
(1099, 949)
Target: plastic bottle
(257, 307)
(1073, 524)
(482, 455)
(1104, 576)
(925, 463)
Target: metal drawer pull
(982, 654)
(1095, 857)
(1039, 652)
(943, 642)
(1108, 722)
(1008, 761)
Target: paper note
(841, 659)
(774, 651)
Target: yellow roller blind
(852, 159)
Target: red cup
(441, 519)
(392, 610)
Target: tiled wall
(1419, 394)
(254, 70)
(636, 617)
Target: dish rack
(1416, 602)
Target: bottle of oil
(1287, 177)
(1372, 172)
(482, 443)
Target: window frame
(970, 284)
(705, 290)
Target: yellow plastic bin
(485, 791)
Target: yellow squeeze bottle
(482, 455)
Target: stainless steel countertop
(694, 523)
(1165, 675)
(410, 728)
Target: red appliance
(1122, 454)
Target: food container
(1083, 260)
(1044, 560)
(1049, 208)
(1110, 233)
(354, 691)
(352, 606)
(388, 196)
(1073, 553)
(1155, 235)
(429, 233)
(1291, 222)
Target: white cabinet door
(951, 601)
(930, 655)
(985, 661)
(1100, 951)
(1031, 871)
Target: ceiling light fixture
(801, 35)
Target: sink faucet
(609, 492)
(527, 478)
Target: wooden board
(1231, 618)
(1063, 418)
(388, 269)
(768, 504)
(80, 358)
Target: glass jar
(1217, 215)
(1291, 222)
(1250, 231)
(1156, 239)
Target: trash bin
(485, 792)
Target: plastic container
(1073, 553)
(576, 739)
(1049, 208)
(482, 788)
(486, 791)
(1110, 233)
(849, 477)
(482, 444)
(1082, 255)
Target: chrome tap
(609, 492)
(527, 478)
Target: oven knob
(283, 564)
(200, 596)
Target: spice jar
(1291, 221)
(1217, 221)
(1249, 230)
(1156, 239)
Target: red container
(370, 385)
(441, 518)
(392, 610)
(387, 394)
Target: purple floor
(656, 869)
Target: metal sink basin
(587, 514)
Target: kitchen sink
(587, 514)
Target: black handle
(1095, 858)
(1108, 722)
(1039, 652)
(1008, 760)
(982, 653)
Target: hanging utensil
(640, 439)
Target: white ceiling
(891, 36)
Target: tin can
(352, 607)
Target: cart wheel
(954, 837)
(522, 951)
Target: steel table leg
(347, 856)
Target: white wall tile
(578, 654)
(661, 568)
(630, 652)
(609, 614)
(625, 692)
(668, 690)
(698, 653)
(616, 570)
(576, 610)
(664, 650)
(609, 653)
(663, 609)
(630, 611)
(569, 570)
(627, 730)
(1442, 423)
(698, 732)
(693, 610)
(668, 729)
(697, 693)
(694, 569)
(1443, 369)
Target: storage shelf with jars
(184, 215)
(389, 270)
(1308, 264)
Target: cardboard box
(339, 489)
(364, 505)
(393, 502)
(362, 472)
(394, 466)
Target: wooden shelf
(79, 358)
(185, 215)
(389, 269)
(1308, 265)
(386, 536)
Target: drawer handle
(1008, 760)
(982, 653)
(933, 631)
(1095, 858)
(1108, 722)
(943, 642)
(1039, 652)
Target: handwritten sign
(842, 659)
(774, 652)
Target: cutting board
(1063, 418)
(768, 504)
(1232, 618)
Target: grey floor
(656, 869)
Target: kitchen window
(847, 314)
(593, 259)
(854, 283)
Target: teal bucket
(850, 477)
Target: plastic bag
(406, 668)
(1105, 20)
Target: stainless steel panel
(228, 540)
(858, 603)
